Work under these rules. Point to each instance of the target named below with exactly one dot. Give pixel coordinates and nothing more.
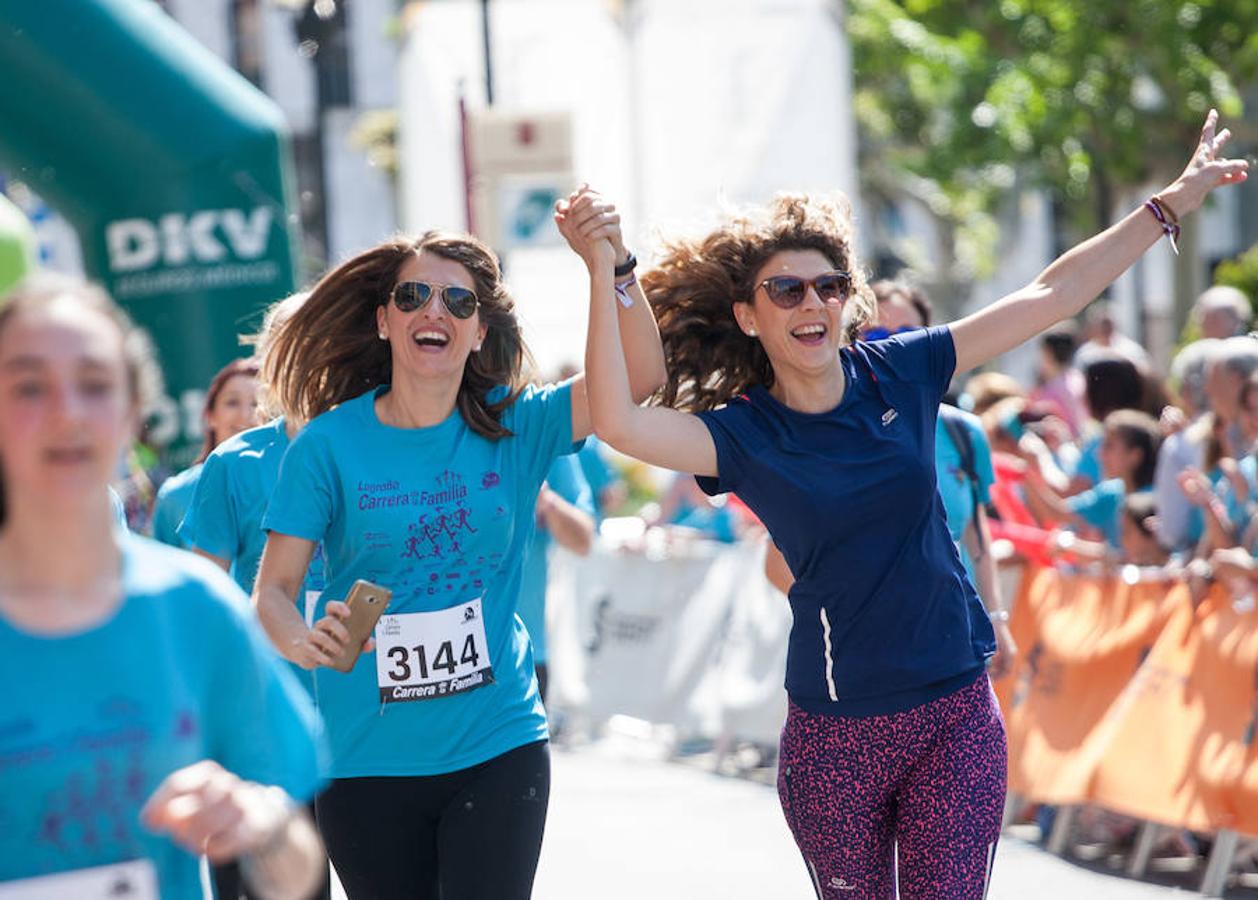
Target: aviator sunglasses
(409, 296)
(788, 291)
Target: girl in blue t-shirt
(231, 406)
(145, 721)
(420, 470)
(223, 522)
(1128, 453)
(893, 748)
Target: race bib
(420, 656)
(135, 880)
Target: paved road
(624, 826)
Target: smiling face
(235, 408)
(429, 342)
(805, 339)
(66, 410)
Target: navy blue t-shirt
(885, 617)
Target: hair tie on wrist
(1164, 215)
(622, 289)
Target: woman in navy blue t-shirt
(893, 747)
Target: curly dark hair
(328, 351)
(693, 288)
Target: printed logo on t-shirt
(99, 771)
(440, 530)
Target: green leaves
(1083, 97)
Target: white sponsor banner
(697, 641)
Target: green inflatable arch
(171, 167)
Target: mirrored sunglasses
(409, 296)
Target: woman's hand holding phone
(329, 639)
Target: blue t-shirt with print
(955, 487)
(885, 616)
(173, 499)
(566, 479)
(442, 516)
(93, 722)
(224, 517)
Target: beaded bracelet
(1166, 218)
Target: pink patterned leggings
(917, 793)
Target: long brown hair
(693, 289)
(247, 367)
(329, 351)
(144, 378)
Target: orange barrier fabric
(1131, 697)
(1083, 639)
(1177, 746)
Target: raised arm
(1075, 279)
(583, 214)
(655, 435)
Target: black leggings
(474, 834)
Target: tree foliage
(1240, 272)
(958, 99)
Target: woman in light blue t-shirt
(231, 406)
(145, 722)
(420, 470)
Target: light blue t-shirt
(173, 499)
(954, 482)
(1089, 463)
(566, 479)
(1102, 508)
(224, 516)
(1238, 509)
(93, 722)
(598, 474)
(441, 516)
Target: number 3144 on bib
(422, 656)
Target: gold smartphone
(366, 602)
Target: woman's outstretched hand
(1206, 170)
(591, 226)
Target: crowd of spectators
(1122, 466)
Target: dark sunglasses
(788, 291)
(409, 296)
(877, 333)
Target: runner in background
(420, 470)
(231, 406)
(145, 720)
(224, 522)
(893, 762)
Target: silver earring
(751, 332)
(383, 337)
(476, 349)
